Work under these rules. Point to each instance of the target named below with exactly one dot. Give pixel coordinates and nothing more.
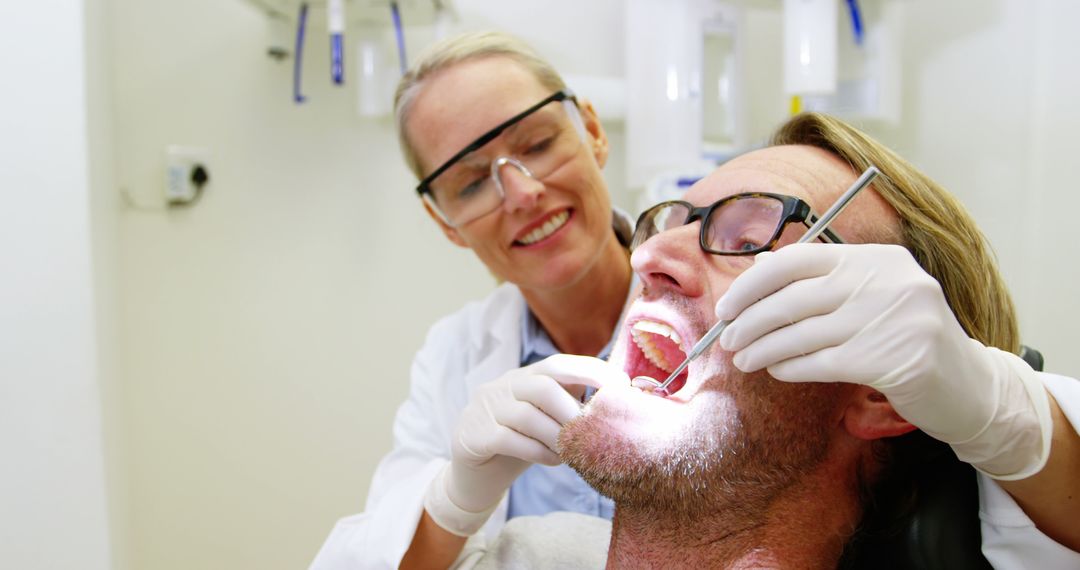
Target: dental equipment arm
(812, 234)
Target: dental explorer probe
(815, 230)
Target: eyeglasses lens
(740, 225)
(542, 141)
(744, 225)
(660, 218)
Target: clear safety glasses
(537, 142)
(741, 224)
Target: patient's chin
(731, 448)
(605, 449)
(632, 447)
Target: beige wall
(263, 336)
(105, 204)
(267, 331)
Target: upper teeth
(646, 343)
(658, 328)
(549, 227)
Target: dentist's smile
(542, 229)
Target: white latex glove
(869, 314)
(510, 423)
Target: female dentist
(510, 167)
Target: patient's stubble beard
(746, 438)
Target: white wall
(990, 112)
(52, 480)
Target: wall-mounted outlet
(186, 173)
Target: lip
(538, 222)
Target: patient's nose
(671, 261)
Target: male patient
(736, 469)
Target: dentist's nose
(520, 189)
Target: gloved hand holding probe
(510, 423)
(869, 314)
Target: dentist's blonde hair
(452, 51)
(934, 226)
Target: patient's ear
(870, 416)
(450, 232)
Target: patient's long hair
(946, 242)
(935, 227)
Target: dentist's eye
(470, 190)
(539, 147)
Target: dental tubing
(335, 12)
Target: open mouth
(544, 230)
(658, 352)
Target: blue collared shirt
(542, 489)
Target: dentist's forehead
(810, 173)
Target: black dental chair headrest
(937, 527)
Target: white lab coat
(482, 341)
(475, 345)
(1010, 539)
